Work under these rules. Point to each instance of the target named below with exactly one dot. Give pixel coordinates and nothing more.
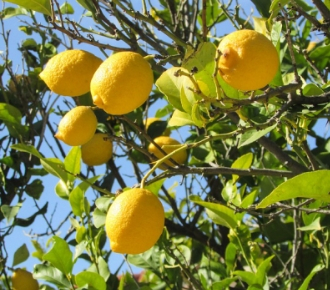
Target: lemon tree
(192, 153)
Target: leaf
(60, 255)
(263, 7)
(313, 226)
(312, 90)
(247, 277)
(12, 12)
(51, 274)
(35, 188)
(77, 195)
(243, 162)
(10, 212)
(262, 270)
(306, 185)
(180, 119)
(276, 6)
(223, 284)
(305, 284)
(66, 8)
(20, 255)
(72, 162)
(85, 279)
(39, 250)
(155, 186)
(220, 214)
(196, 116)
(253, 135)
(170, 86)
(42, 6)
(9, 113)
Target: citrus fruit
(77, 126)
(69, 73)
(248, 61)
(168, 144)
(97, 151)
(122, 83)
(147, 122)
(135, 221)
(23, 280)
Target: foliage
(249, 210)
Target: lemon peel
(135, 221)
(97, 151)
(77, 126)
(248, 61)
(69, 73)
(122, 83)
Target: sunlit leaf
(51, 274)
(220, 214)
(242, 162)
(11, 12)
(170, 85)
(60, 255)
(72, 162)
(9, 212)
(253, 135)
(21, 255)
(42, 6)
(306, 185)
(90, 279)
(180, 119)
(313, 226)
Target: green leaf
(155, 186)
(276, 6)
(72, 162)
(243, 162)
(219, 214)
(263, 7)
(77, 196)
(180, 119)
(305, 284)
(35, 188)
(196, 115)
(313, 226)
(66, 8)
(11, 12)
(102, 268)
(305, 185)
(262, 270)
(10, 114)
(51, 274)
(60, 255)
(312, 90)
(223, 284)
(247, 277)
(230, 257)
(20, 255)
(62, 190)
(9, 212)
(103, 203)
(42, 6)
(90, 279)
(253, 135)
(39, 250)
(170, 85)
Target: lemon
(122, 83)
(97, 151)
(147, 122)
(77, 126)
(23, 280)
(248, 61)
(168, 144)
(69, 73)
(135, 221)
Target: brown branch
(323, 9)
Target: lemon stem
(149, 57)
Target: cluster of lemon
(119, 85)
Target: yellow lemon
(168, 144)
(135, 221)
(147, 122)
(122, 83)
(77, 126)
(23, 280)
(248, 61)
(69, 73)
(97, 151)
